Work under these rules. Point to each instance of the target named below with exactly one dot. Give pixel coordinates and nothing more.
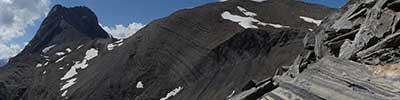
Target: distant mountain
(205, 53)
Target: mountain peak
(81, 17)
(64, 24)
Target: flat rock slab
(337, 79)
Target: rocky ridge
(209, 52)
(354, 57)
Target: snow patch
(249, 21)
(230, 95)
(64, 93)
(39, 65)
(258, 0)
(60, 53)
(245, 12)
(311, 20)
(68, 50)
(47, 49)
(90, 54)
(139, 85)
(115, 44)
(112, 46)
(62, 58)
(68, 84)
(72, 72)
(277, 25)
(245, 22)
(119, 41)
(80, 46)
(172, 93)
(45, 64)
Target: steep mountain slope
(356, 57)
(63, 28)
(201, 53)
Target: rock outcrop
(355, 57)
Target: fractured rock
(346, 50)
(358, 14)
(366, 32)
(344, 36)
(342, 25)
(396, 22)
(255, 92)
(386, 21)
(338, 79)
(380, 4)
(358, 63)
(388, 41)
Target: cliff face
(355, 57)
(201, 53)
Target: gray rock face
(195, 52)
(337, 79)
(353, 61)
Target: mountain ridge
(196, 51)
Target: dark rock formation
(197, 52)
(63, 28)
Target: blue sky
(329, 3)
(141, 11)
(117, 12)
(144, 11)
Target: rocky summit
(234, 50)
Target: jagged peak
(60, 8)
(81, 17)
(64, 24)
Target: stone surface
(342, 25)
(384, 43)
